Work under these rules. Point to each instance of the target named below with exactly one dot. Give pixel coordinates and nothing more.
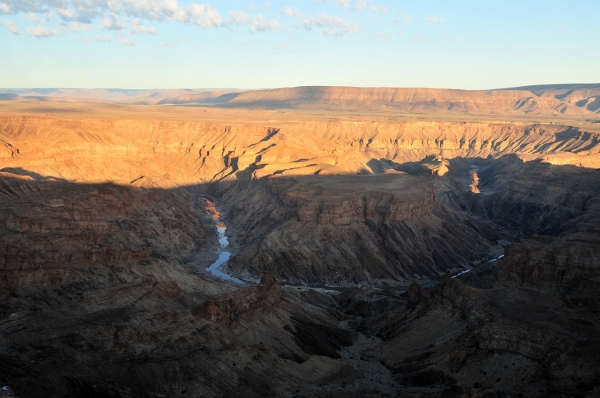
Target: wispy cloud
(355, 5)
(138, 27)
(239, 17)
(112, 23)
(126, 42)
(261, 24)
(330, 25)
(65, 13)
(78, 27)
(257, 23)
(137, 16)
(12, 28)
(86, 11)
(32, 17)
(293, 12)
(382, 9)
(42, 31)
(434, 21)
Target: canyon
(351, 217)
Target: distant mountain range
(574, 100)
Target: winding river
(224, 253)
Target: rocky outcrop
(523, 197)
(100, 246)
(348, 230)
(342, 200)
(266, 296)
(510, 339)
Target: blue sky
(241, 44)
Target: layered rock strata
(171, 153)
(348, 229)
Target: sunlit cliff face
(169, 153)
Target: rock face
(567, 265)
(341, 200)
(166, 153)
(524, 197)
(265, 296)
(509, 339)
(57, 234)
(348, 229)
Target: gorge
(386, 197)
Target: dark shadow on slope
(22, 172)
(60, 241)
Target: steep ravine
(326, 230)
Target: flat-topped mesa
(337, 200)
(423, 100)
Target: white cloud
(257, 23)
(31, 16)
(293, 12)
(434, 21)
(201, 15)
(77, 27)
(330, 25)
(65, 13)
(138, 27)
(104, 39)
(382, 9)
(112, 23)
(86, 11)
(12, 28)
(135, 15)
(360, 6)
(239, 17)
(261, 24)
(42, 31)
(343, 3)
(126, 42)
(356, 5)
